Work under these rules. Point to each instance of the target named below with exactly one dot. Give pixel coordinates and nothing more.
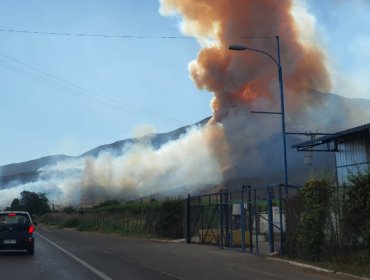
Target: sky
(68, 94)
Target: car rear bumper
(20, 245)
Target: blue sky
(343, 27)
(148, 79)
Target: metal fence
(250, 219)
(154, 221)
(341, 232)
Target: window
(15, 219)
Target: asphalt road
(66, 254)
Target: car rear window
(13, 219)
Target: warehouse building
(351, 148)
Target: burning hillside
(234, 143)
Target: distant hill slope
(30, 166)
(157, 140)
(328, 112)
(28, 171)
(322, 111)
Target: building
(351, 147)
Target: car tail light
(31, 229)
(12, 214)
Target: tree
(357, 210)
(316, 199)
(34, 203)
(15, 205)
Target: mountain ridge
(325, 111)
(30, 168)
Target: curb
(316, 268)
(170, 241)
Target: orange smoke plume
(238, 79)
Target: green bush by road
(151, 218)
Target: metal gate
(249, 219)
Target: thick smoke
(140, 171)
(143, 170)
(239, 79)
(234, 143)
(244, 81)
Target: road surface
(67, 254)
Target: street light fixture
(282, 112)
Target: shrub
(306, 217)
(316, 200)
(356, 214)
(71, 222)
(170, 218)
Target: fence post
(256, 219)
(270, 220)
(227, 221)
(221, 220)
(250, 222)
(242, 213)
(281, 220)
(188, 233)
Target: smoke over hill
(180, 161)
(245, 81)
(233, 143)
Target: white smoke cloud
(354, 82)
(7, 195)
(187, 161)
(306, 24)
(140, 171)
(143, 130)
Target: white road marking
(85, 264)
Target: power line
(73, 89)
(94, 35)
(90, 92)
(124, 36)
(55, 85)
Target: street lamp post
(282, 108)
(282, 113)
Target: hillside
(28, 171)
(258, 165)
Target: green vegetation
(356, 212)
(315, 196)
(306, 219)
(150, 218)
(170, 217)
(331, 225)
(34, 203)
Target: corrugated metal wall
(352, 156)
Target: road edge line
(82, 262)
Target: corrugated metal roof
(335, 136)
